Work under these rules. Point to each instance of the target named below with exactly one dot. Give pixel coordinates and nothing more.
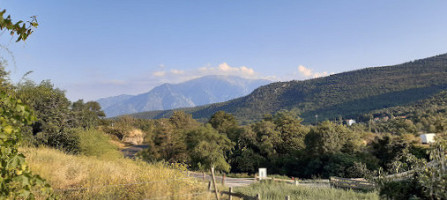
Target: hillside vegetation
(346, 94)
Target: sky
(95, 49)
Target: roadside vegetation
(278, 191)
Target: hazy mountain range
(196, 92)
(348, 95)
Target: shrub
(92, 142)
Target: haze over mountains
(347, 94)
(196, 92)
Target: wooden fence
(336, 182)
(357, 184)
(232, 194)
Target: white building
(350, 122)
(427, 138)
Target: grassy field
(91, 177)
(278, 191)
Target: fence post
(231, 192)
(287, 197)
(214, 183)
(204, 176)
(187, 173)
(209, 185)
(296, 182)
(258, 196)
(223, 179)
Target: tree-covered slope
(344, 94)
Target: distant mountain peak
(195, 92)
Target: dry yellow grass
(83, 177)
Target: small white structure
(350, 122)
(427, 138)
(262, 173)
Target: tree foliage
(56, 115)
(20, 28)
(207, 148)
(16, 179)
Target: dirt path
(129, 152)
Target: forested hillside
(344, 95)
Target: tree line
(279, 142)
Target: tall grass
(89, 177)
(278, 191)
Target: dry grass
(110, 179)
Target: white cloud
(305, 71)
(225, 69)
(248, 71)
(320, 74)
(159, 73)
(175, 71)
(308, 73)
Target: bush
(66, 140)
(92, 142)
(406, 189)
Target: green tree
(86, 115)
(389, 149)
(268, 139)
(169, 143)
(207, 148)
(291, 130)
(326, 138)
(227, 124)
(54, 118)
(182, 121)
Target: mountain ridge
(199, 91)
(387, 85)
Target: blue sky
(96, 49)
